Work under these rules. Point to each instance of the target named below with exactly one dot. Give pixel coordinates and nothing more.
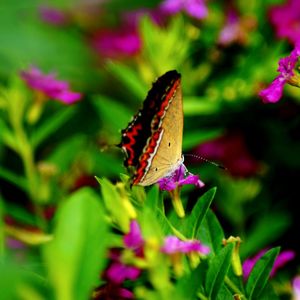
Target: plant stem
(233, 287)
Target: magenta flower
(174, 245)
(133, 239)
(194, 8)
(273, 93)
(49, 86)
(231, 151)
(117, 43)
(286, 20)
(117, 272)
(296, 288)
(178, 178)
(52, 16)
(283, 258)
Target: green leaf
(153, 197)
(51, 125)
(194, 220)
(130, 79)
(7, 137)
(76, 255)
(268, 293)
(176, 44)
(224, 293)
(218, 268)
(115, 204)
(188, 286)
(211, 232)
(13, 178)
(260, 273)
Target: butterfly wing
(163, 153)
(152, 140)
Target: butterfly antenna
(206, 160)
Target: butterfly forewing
(153, 139)
(168, 152)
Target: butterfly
(152, 141)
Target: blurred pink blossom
(174, 245)
(49, 85)
(52, 15)
(194, 8)
(286, 20)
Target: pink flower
(133, 239)
(49, 85)
(174, 245)
(232, 152)
(117, 43)
(118, 272)
(283, 258)
(286, 20)
(52, 16)
(178, 178)
(194, 8)
(273, 93)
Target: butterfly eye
(156, 169)
(169, 144)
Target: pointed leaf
(260, 274)
(194, 220)
(211, 232)
(188, 286)
(115, 204)
(76, 255)
(217, 271)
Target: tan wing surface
(168, 153)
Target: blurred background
(109, 53)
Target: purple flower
(296, 288)
(273, 93)
(283, 258)
(49, 85)
(117, 272)
(133, 239)
(194, 8)
(52, 15)
(178, 178)
(286, 20)
(117, 43)
(173, 245)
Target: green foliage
(260, 274)
(58, 237)
(77, 253)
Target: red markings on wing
(128, 146)
(143, 163)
